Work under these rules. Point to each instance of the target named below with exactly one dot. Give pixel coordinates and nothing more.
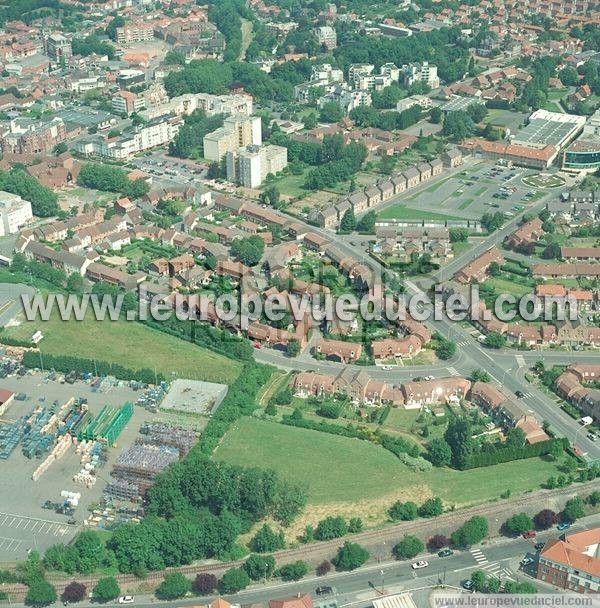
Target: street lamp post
(382, 581)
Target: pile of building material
(163, 434)
(59, 450)
(108, 424)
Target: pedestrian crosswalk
(520, 360)
(479, 557)
(526, 395)
(501, 572)
(453, 371)
(462, 343)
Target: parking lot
(24, 524)
(479, 188)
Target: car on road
(420, 564)
(429, 378)
(563, 525)
(526, 561)
(529, 534)
(539, 546)
(126, 599)
(468, 584)
(520, 394)
(324, 590)
(387, 368)
(592, 436)
(445, 553)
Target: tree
(44, 202)
(331, 527)
(437, 542)
(266, 541)
(259, 566)
(355, 525)
(74, 592)
(480, 375)
(495, 340)
(350, 556)
(492, 221)
(439, 452)
(331, 112)
(248, 250)
(323, 568)
(75, 283)
(515, 438)
(518, 523)
(60, 148)
(294, 571)
(569, 76)
(458, 125)
(494, 269)
(174, 586)
(436, 115)
(366, 224)
(403, 511)
(458, 437)
(545, 519)
(479, 580)
(408, 547)
(459, 235)
(493, 584)
(40, 593)
(348, 222)
(513, 587)
(593, 499)
(552, 251)
(573, 510)
(106, 589)
(293, 348)
(234, 580)
(445, 349)
(473, 531)
(204, 584)
(432, 507)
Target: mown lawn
(339, 470)
(130, 344)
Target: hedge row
(66, 364)
(506, 454)
(396, 445)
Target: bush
(40, 593)
(73, 593)
(294, 571)
(259, 566)
(517, 524)
(266, 541)
(545, 519)
(573, 510)
(408, 547)
(350, 556)
(205, 584)
(471, 532)
(331, 527)
(174, 586)
(437, 542)
(234, 580)
(323, 568)
(403, 511)
(106, 589)
(432, 507)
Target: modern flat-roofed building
(250, 166)
(14, 213)
(237, 132)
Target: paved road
(500, 558)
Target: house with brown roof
(396, 347)
(573, 563)
(296, 601)
(440, 390)
(525, 235)
(580, 254)
(477, 269)
(337, 350)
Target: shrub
(350, 556)
(106, 589)
(174, 586)
(259, 566)
(204, 584)
(437, 542)
(323, 568)
(294, 571)
(408, 547)
(234, 580)
(403, 511)
(40, 593)
(545, 519)
(73, 593)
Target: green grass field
(402, 212)
(508, 287)
(129, 344)
(340, 470)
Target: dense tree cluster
(111, 179)
(368, 116)
(188, 142)
(44, 203)
(92, 44)
(248, 250)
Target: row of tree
(111, 179)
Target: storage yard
(74, 447)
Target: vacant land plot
(544, 180)
(129, 344)
(354, 477)
(402, 212)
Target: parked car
(526, 561)
(324, 590)
(445, 553)
(563, 525)
(126, 599)
(539, 546)
(468, 584)
(420, 564)
(529, 534)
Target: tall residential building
(421, 72)
(326, 37)
(58, 47)
(14, 213)
(134, 32)
(211, 104)
(237, 132)
(250, 166)
(126, 102)
(32, 136)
